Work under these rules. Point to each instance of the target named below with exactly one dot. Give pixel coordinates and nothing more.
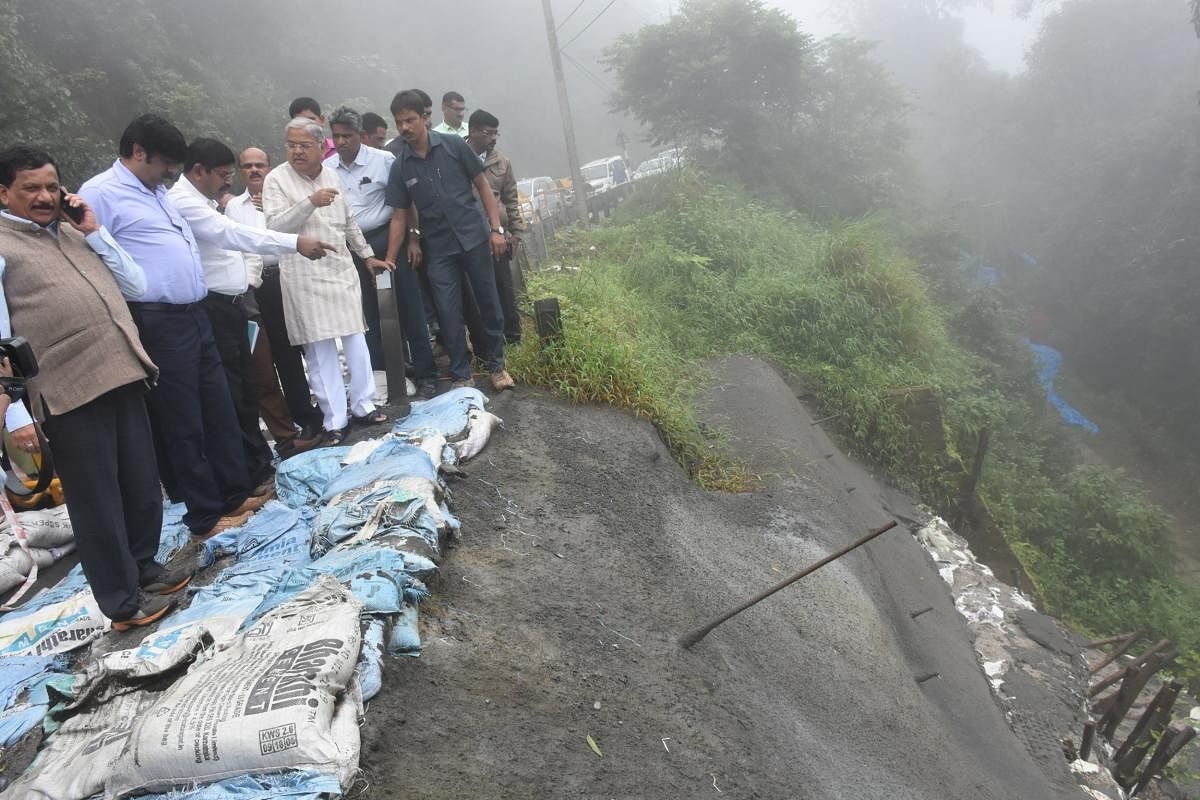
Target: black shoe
(157, 579)
(427, 388)
(151, 608)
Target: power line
(573, 10)
(590, 24)
(589, 74)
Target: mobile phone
(76, 214)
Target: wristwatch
(498, 229)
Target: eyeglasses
(301, 146)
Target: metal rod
(698, 634)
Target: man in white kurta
(322, 300)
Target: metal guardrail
(544, 227)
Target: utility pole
(578, 184)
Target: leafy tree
(817, 125)
(731, 75)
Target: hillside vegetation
(689, 269)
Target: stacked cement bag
(270, 661)
(279, 698)
(48, 537)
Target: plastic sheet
(1049, 360)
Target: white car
(545, 197)
(653, 166)
(605, 173)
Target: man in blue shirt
(443, 178)
(196, 431)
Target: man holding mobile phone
(62, 277)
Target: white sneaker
(410, 388)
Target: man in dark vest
(61, 284)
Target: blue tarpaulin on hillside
(1049, 360)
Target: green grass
(688, 269)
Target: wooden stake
(1125, 642)
(1150, 725)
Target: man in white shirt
(363, 172)
(277, 362)
(359, 173)
(208, 172)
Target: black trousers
(370, 304)
(196, 431)
(229, 318)
(104, 456)
(285, 355)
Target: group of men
(167, 321)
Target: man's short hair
(208, 153)
(409, 100)
(372, 121)
(343, 115)
(21, 157)
(481, 119)
(304, 104)
(452, 97)
(157, 137)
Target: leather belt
(231, 299)
(168, 307)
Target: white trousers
(325, 379)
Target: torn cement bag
(174, 535)
(276, 533)
(77, 760)
(280, 697)
(405, 638)
(55, 628)
(482, 423)
(365, 492)
(306, 785)
(378, 577)
(446, 413)
(302, 478)
(370, 661)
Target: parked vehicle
(605, 173)
(543, 195)
(652, 166)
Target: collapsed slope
(587, 551)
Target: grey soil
(586, 552)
